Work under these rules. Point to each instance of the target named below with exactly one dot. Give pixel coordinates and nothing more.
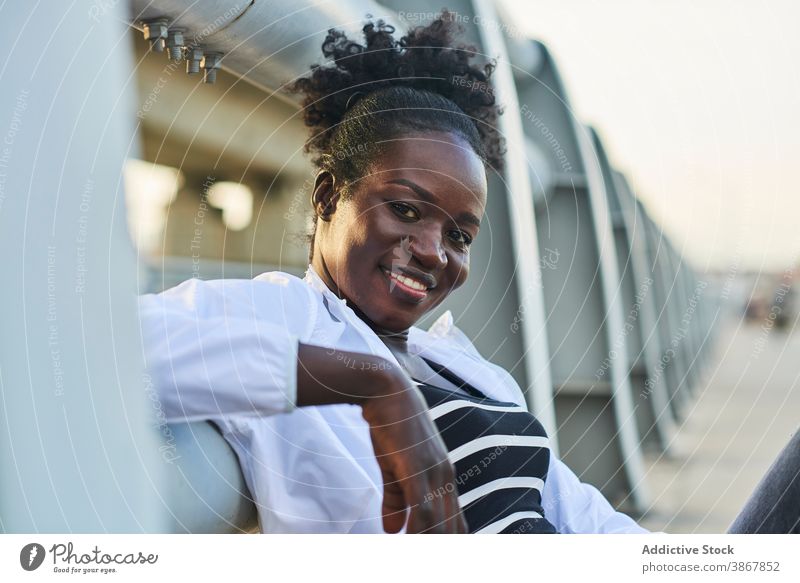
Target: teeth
(412, 283)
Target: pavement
(746, 407)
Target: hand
(417, 473)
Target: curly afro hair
(387, 87)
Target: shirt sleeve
(576, 507)
(221, 348)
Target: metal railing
(616, 325)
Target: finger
(428, 513)
(463, 527)
(421, 517)
(453, 517)
(447, 509)
(452, 521)
(394, 506)
(456, 523)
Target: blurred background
(697, 104)
(642, 242)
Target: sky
(698, 103)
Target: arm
(208, 362)
(214, 352)
(575, 507)
(412, 457)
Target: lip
(399, 289)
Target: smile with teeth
(407, 281)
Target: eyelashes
(409, 213)
(401, 208)
(466, 240)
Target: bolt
(175, 44)
(156, 32)
(194, 56)
(210, 65)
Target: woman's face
(400, 243)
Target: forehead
(443, 164)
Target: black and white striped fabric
(501, 455)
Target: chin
(393, 319)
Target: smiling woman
(394, 220)
(399, 245)
(402, 152)
(393, 229)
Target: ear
(325, 196)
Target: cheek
(374, 233)
(349, 229)
(462, 271)
(354, 239)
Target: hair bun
(426, 59)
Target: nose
(429, 250)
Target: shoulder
(444, 332)
(269, 294)
(445, 340)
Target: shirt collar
(315, 281)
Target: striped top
(500, 453)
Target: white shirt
(226, 350)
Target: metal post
(79, 450)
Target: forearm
(411, 454)
(327, 376)
(208, 364)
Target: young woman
(403, 132)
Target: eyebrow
(466, 216)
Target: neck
(397, 342)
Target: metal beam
(79, 450)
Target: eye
(405, 210)
(461, 237)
